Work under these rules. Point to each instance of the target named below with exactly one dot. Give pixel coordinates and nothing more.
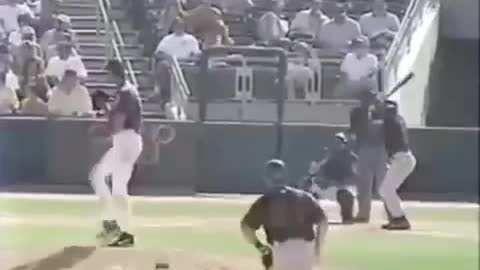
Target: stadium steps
(93, 48)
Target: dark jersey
(367, 128)
(127, 101)
(339, 165)
(396, 135)
(285, 213)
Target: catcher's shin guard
(346, 200)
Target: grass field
(203, 234)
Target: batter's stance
(124, 123)
(294, 223)
(402, 162)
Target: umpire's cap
(275, 172)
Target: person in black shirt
(366, 127)
(294, 222)
(338, 170)
(124, 124)
(402, 163)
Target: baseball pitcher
(294, 223)
(338, 171)
(124, 123)
(402, 163)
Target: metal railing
(179, 89)
(402, 41)
(113, 40)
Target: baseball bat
(400, 84)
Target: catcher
(294, 222)
(337, 171)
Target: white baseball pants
(401, 166)
(118, 162)
(295, 254)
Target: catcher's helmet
(276, 171)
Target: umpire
(366, 126)
(294, 223)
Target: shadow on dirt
(66, 258)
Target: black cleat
(109, 233)
(397, 224)
(124, 240)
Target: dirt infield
(94, 258)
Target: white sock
(122, 212)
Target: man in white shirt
(15, 38)
(310, 21)
(339, 31)
(271, 27)
(358, 71)
(8, 97)
(53, 36)
(69, 97)
(379, 20)
(179, 44)
(10, 11)
(57, 65)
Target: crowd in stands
(187, 27)
(41, 72)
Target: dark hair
(115, 67)
(23, 18)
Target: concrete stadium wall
(218, 157)
(459, 19)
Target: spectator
(270, 26)
(100, 102)
(202, 19)
(69, 97)
(11, 80)
(57, 65)
(218, 36)
(358, 71)
(52, 50)
(179, 44)
(379, 20)
(3, 31)
(8, 96)
(340, 30)
(27, 65)
(299, 74)
(34, 103)
(309, 22)
(16, 37)
(10, 11)
(55, 35)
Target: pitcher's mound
(94, 258)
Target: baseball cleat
(110, 232)
(123, 240)
(397, 224)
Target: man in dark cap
(402, 163)
(294, 223)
